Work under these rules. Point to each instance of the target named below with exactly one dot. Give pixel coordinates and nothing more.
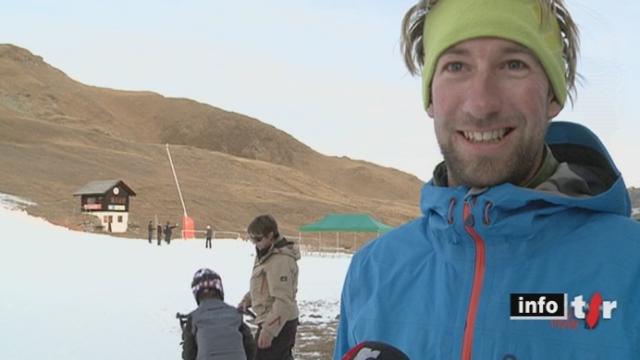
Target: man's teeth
(485, 136)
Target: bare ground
(315, 341)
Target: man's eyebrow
(515, 49)
(456, 51)
(508, 50)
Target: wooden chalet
(109, 201)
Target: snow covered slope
(72, 295)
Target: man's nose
(483, 98)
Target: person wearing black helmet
(215, 330)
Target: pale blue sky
(327, 72)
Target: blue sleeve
(344, 340)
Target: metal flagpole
(175, 177)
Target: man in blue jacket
(524, 219)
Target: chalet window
(91, 200)
(119, 218)
(119, 200)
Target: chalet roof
(101, 187)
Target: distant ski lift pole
(187, 222)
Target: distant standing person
(150, 228)
(168, 229)
(273, 289)
(159, 229)
(207, 243)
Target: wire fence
(332, 244)
(309, 244)
(202, 234)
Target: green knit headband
(452, 21)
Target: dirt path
(315, 340)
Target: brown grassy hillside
(57, 134)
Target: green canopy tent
(335, 222)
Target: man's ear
(430, 110)
(554, 108)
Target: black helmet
(205, 279)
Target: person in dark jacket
(168, 229)
(215, 330)
(207, 243)
(159, 230)
(150, 228)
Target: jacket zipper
(478, 277)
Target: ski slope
(72, 295)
